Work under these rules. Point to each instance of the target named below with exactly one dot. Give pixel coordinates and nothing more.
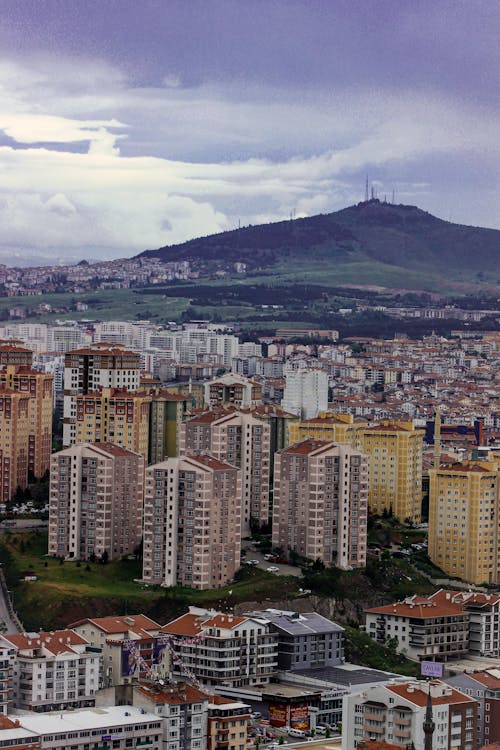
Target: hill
(398, 241)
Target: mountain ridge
(374, 231)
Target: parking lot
(253, 554)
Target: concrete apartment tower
(464, 518)
(306, 392)
(192, 522)
(320, 502)
(92, 368)
(95, 505)
(240, 439)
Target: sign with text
(431, 669)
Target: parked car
(273, 569)
(297, 732)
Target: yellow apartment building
(464, 537)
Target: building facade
(95, 503)
(52, 670)
(127, 644)
(113, 415)
(90, 369)
(222, 649)
(484, 686)
(464, 521)
(192, 522)
(320, 502)
(396, 714)
(14, 442)
(306, 392)
(239, 439)
(306, 640)
(39, 387)
(434, 627)
(395, 465)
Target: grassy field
(69, 591)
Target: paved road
(6, 620)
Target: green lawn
(69, 591)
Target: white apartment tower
(192, 522)
(306, 392)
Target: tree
(104, 559)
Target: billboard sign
(431, 669)
(299, 717)
(277, 715)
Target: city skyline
(127, 128)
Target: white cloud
(143, 198)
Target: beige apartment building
(192, 522)
(231, 388)
(464, 517)
(237, 438)
(89, 369)
(95, 504)
(320, 502)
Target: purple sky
(127, 125)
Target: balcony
(370, 728)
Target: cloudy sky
(127, 125)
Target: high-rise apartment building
(306, 391)
(95, 505)
(320, 502)
(14, 442)
(90, 369)
(237, 438)
(192, 522)
(113, 415)
(166, 414)
(464, 518)
(395, 458)
(395, 464)
(338, 428)
(39, 387)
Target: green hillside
(398, 241)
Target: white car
(273, 569)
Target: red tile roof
(418, 695)
(117, 625)
(419, 607)
(57, 642)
